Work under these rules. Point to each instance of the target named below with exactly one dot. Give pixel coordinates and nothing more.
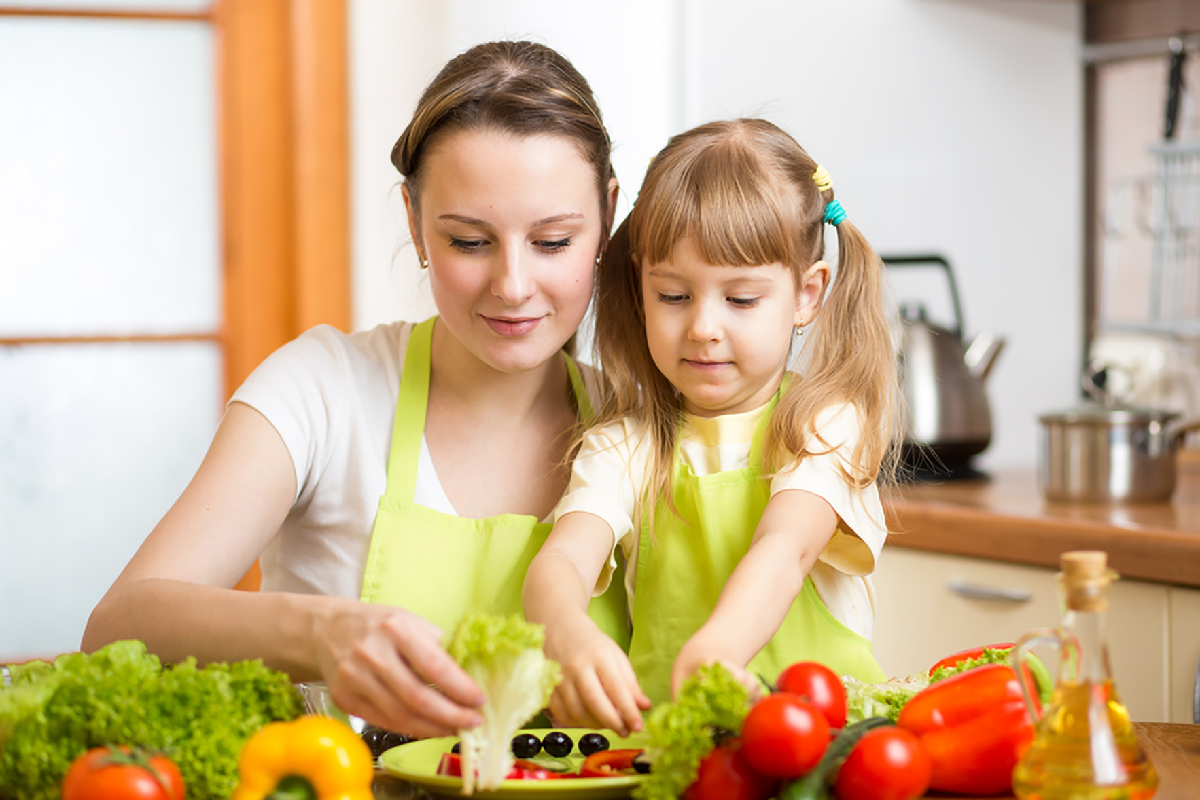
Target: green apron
(681, 572)
(442, 566)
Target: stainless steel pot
(1108, 452)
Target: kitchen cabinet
(1185, 655)
(931, 604)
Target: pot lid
(1110, 414)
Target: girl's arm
(793, 530)
(598, 688)
(176, 595)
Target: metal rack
(1159, 213)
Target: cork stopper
(1085, 578)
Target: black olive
(526, 745)
(640, 763)
(392, 739)
(457, 747)
(592, 743)
(374, 738)
(557, 744)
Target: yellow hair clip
(822, 179)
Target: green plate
(417, 762)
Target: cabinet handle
(975, 591)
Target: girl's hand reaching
(699, 651)
(387, 665)
(598, 688)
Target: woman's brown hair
(521, 88)
(745, 190)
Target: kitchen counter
(1006, 518)
(1174, 750)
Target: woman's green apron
(684, 565)
(442, 566)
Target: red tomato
(125, 773)
(725, 774)
(784, 736)
(819, 685)
(886, 764)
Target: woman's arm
(793, 530)
(599, 688)
(175, 595)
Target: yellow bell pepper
(313, 756)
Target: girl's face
(511, 227)
(721, 334)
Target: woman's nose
(513, 282)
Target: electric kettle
(943, 381)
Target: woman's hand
(387, 665)
(598, 688)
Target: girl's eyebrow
(479, 223)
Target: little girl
(742, 495)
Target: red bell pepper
(609, 763)
(968, 655)
(974, 727)
(451, 766)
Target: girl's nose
(705, 325)
(513, 282)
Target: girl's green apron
(441, 566)
(682, 569)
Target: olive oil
(1085, 747)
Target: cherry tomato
(725, 774)
(784, 736)
(819, 685)
(886, 764)
(122, 773)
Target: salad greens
(681, 733)
(121, 694)
(504, 656)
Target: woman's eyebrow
(571, 215)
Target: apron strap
(409, 424)
(582, 402)
(760, 430)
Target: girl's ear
(414, 229)
(811, 292)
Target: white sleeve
(861, 529)
(606, 480)
(300, 389)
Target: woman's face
(511, 227)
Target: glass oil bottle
(1085, 747)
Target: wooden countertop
(1006, 518)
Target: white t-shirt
(332, 398)
(609, 473)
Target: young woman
(392, 480)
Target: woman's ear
(414, 228)
(811, 292)
(613, 186)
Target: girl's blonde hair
(745, 190)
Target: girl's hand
(598, 688)
(698, 652)
(387, 665)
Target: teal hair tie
(834, 213)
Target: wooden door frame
(284, 173)
(285, 184)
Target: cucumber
(815, 785)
